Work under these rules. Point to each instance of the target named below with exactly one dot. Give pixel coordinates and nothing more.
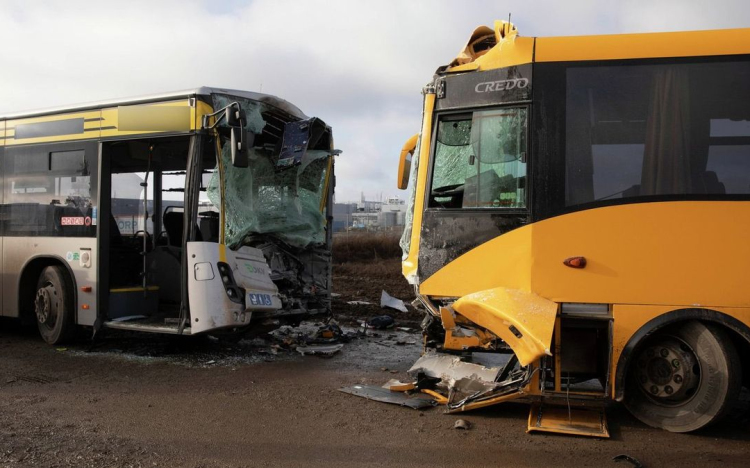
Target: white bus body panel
(210, 306)
(19, 251)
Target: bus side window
(47, 193)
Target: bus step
(172, 329)
(587, 421)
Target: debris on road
(373, 392)
(358, 303)
(381, 322)
(629, 459)
(322, 350)
(389, 302)
(462, 424)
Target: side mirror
(404, 163)
(240, 144)
(234, 115)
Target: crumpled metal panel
(522, 319)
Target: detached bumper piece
(385, 395)
(587, 421)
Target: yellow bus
(581, 205)
(197, 211)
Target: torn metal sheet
(390, 302)
(373, 392)
(452, 369)
(468, 385)
(322, 350)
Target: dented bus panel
(579, 211)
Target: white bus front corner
(225, 286)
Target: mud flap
(587, 421)
(522, 319)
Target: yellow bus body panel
(500, 310)
(178, 116)
(687, 253)
(643, 46)
(142, 119)
(409, 264)
(89, 130)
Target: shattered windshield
(480, 160)
(285, 202)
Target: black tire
(53, 305)
(684, 378)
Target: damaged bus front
(189, 212)
(251, 234)
(563, 189)
(273, 188)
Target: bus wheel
(53, 305)
(684, 378)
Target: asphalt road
(158, 401)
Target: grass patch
(365, 246)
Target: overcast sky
(359, 65)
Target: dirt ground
(128, 400)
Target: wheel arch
(739, 331)
(27, 281)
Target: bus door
(144, 220)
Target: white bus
(184, 213)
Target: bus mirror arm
(234, 117)
(404, 163)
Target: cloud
(360, 65)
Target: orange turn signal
(85, 306)
(575, 262)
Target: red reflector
(575, 262)
(86, 288)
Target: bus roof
(489, 48)
(274, 101)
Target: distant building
(392, 213)
(342, 215)
(369, 215)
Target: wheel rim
(668, 371)
(45, 306)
